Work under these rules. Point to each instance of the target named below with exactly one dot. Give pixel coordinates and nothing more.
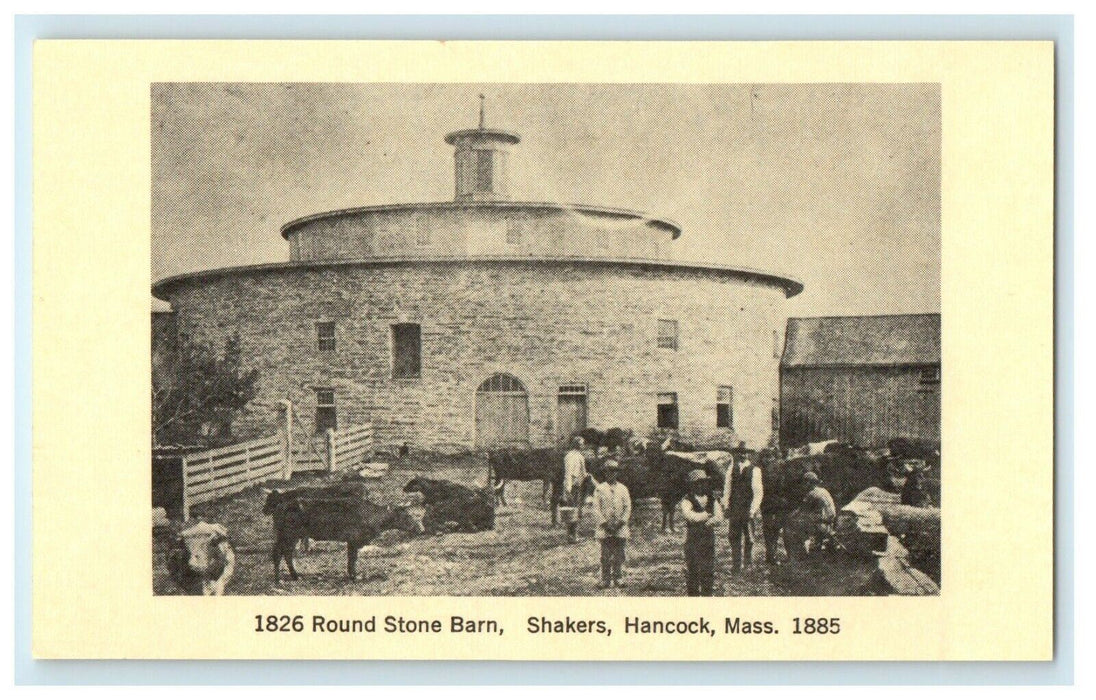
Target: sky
(836, 185)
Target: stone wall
(545, 323)
(449, 229)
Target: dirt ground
(523, 556)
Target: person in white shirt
(612, 509)
(703, 513)
(574, 478)
(742, 494)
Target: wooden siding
(866, 406)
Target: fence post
(331, 447)
(186, 493)
(287, 463)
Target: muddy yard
(523, 556)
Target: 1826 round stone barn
(483, 321)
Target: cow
(845, 471)
(335, 513)
(592, 437)
(617, 439)
(437, 490)
(453, 506)
(671, 470)
(202, 560)
(541, 464)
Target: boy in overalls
(702, 512)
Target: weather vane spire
(483, 118)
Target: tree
(199, 394)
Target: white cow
(202, 559)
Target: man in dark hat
(742, 494)
(702, 512)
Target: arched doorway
(502, 413)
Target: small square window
(406, 350)
(930, 375)
(325, 336)
(667, 334)
(667, 410)
(724, 411)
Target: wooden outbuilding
(864, 380)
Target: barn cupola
(480, 161)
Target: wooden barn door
(571, 414)
(502, 413)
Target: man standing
(775, 504)
(612, 509)
(574, 478)
(742, 494)
(702, 513)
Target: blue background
(603, 27)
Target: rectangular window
(930, 375)
(667, 334)
(776, 343)
(724, 412)
(667, 410)
(325, 336)
(483, 171)
(406, 350)
(325, 411)
(422, 230)
(776, 415)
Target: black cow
(336, 513)
(542, 464)
(635, 472)
(592, 437)
(671, 474)
(844, 472)
(437, 490)
(450, 505)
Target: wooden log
(894, 575)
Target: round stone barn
(485, 322)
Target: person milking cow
(702, 512)
(574, 480)
(742, 494)
(816, 515)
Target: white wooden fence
(349, 448)
(211, 474)
(214, 473)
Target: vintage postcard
(490, 350)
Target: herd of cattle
(201, 560)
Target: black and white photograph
(546, 339)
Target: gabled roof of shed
(910, 339)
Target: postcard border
(1055, 28)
